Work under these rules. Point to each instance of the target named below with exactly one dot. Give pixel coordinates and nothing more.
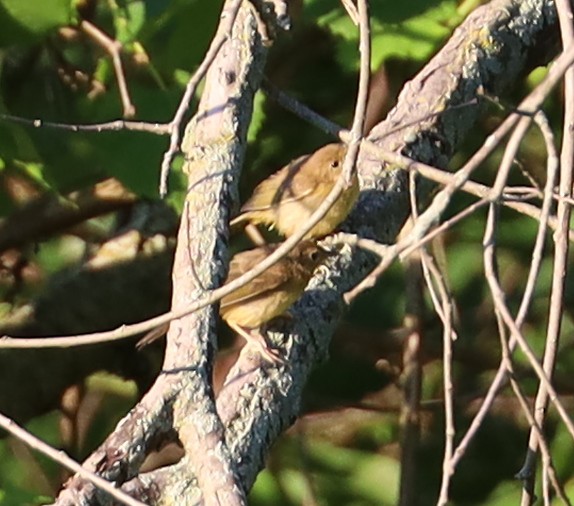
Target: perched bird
(271, 293)
(286, 199)
(267, 296)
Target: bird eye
(334, 164)
(314, 256)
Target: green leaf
(23, 19)
(398, 29)
(258, 117)
(129, 19)
(338, 476)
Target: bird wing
(257, 288)
(294, 198)
(285, 186)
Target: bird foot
(258, 341)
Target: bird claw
(257, 340)
(268, 354)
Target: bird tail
(239, 221)
(152, 335)
(246, 221)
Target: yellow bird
(286, 199)
(271, 293)
(267, 296)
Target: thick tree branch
(49, 214)
(214, 147)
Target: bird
(287, 199)
(265, 297)
(271, 293)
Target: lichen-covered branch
(213, 147)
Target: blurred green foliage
(50, 70)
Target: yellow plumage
(286, 200)
(271, 293)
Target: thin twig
(560, 254)
(545, 450)
(60, 457)
(175, 124)
(357, 128)
(114, 48)
(114, 126)
(537, 256)
(403, 248)
(411, 375)
(498, 299)
(508, 365)
(447, 311)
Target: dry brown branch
(501, 374)
(411, 376)
(61, 458)
(446, 309)
(498, 296)
(114, 48)
(560, 261)
(523, 402)
(49, 214)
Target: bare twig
(61, 458)
(113, 126)
(501, 374)
(351, 11)
(114, 48)
(357, 129)
(447, 312)
(560, 254)
(410, 411)
(228, 18)
(507, 360)
(411, 375)
(498, 298)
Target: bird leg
(256, 339)
(255, 235)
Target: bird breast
(254, 313)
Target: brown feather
(266, 296)
(286, 185)
(273, 278)
(273, 291)
(289, 197)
